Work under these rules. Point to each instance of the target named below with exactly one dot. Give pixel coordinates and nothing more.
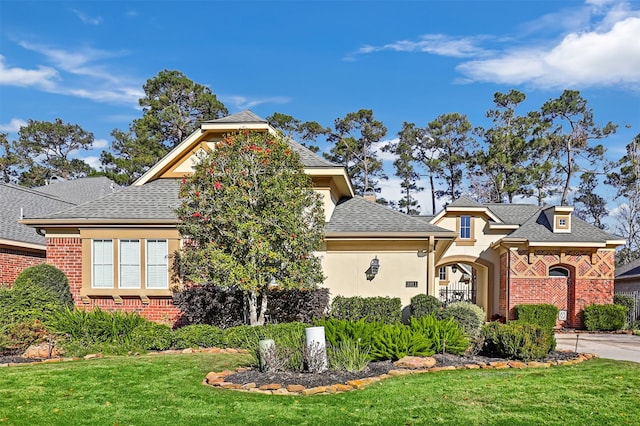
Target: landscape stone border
(217, 379)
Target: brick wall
(159, 309)
(14, 261)
(590, 280)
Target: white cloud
(242, 102)
(436, 44)
(13, 126)
(100, 144)
(580, 59)
(93, 161)
(43, 77)
(87, 19)
(384, 155)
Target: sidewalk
(624, 347)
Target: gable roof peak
(246, 116)
(465, 202)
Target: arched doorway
(560, 292)
(472, 281)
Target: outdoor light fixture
(374, 267)
(454, 269)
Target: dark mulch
(310, 380)
(14, 357)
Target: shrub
(296, 305)
(446, 335)
(630, 303)
(395, 341)
(349, 355)
(384, 309)
(604, 317)
(424, 304)
(544, 315)
(152, 336)
(48, 277)
(340, 330)
(26, 303)
(469, 316)
(199, 336)
(516, 340)
(19, 336)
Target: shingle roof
(310, 158)
(630, 270)
(513, 214)
(155, 200)
(245, 116)
(465, 202)
(80, 191)
(538, 229)
(359, 215)
(32, 203)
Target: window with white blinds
(157, 264)
(129, 264)
(102, 261)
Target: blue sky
(85, 62)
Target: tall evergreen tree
(305, 132)
(9, 161)
(403, 164)
(591, 207)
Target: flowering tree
(251, 219)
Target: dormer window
(562, 223)
(465, 227)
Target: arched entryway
(472, 281)
(561, 293)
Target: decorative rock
(295, 388)
(314, 391)
(471, 366)
(271, 386)
(228, 385)
(92, 356)
(247, 386)
(340, 387)
(415, 362)
(499, 365)
(214, 378)
(537, 364)
(517, 364)
(399, 372)
(43, 350)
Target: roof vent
(370, 194)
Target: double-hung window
(465, 227)
(129, 264)
(102, 260)
(442, 273)
(157, 264)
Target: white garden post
(316, 348)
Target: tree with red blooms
(251, 220)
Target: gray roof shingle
(246, 116)
(630, 270)
(513, 214)
(32, 203)
(359, 215)
(80, 191)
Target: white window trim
(120, 265)
(93, 263)
(166, 265)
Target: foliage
(303, 132)
(592, 208)
(470, 316)
(26, 303)
(604, 317)
(152, 336)
(352, 146)
(385, 309)
(224, 306)
(629, 302)
(20, 335)
(46, 149)
(446, 335)
(573, 126)
(251, 218)
(517, 340)
(342, 330)
(403, 164)
(543, 315)
(395, 341)
(350, 355)
(172, 108)
(48, 277)
(424, 304)
(9, 161)
(199, 336)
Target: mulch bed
(311, 380)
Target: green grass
(167, 390)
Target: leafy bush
(384, 309)
(630, 303)
(469, 316)
(349, 355)
(544, 315)
(604, 317)
(19, 336)
(224, 306)
(446, 335)
(48, 277)
(152, 336)
(340, 330)
(199, 336)
(517, 340)
(395, 341)
(424, 304)
(26, 303)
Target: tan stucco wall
(344, 268)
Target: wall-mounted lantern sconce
(454, 269)
(374, 267)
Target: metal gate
(633, 314)
(458, 292)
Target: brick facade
(13, 261)
(66, 255)
(590, 280)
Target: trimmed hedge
(517, 340)
(544, 315)
(424, 304)
(384, 309)
(48, 277)
(604, 317)
(469, 316)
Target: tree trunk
(433, 194)
(256, 306)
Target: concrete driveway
(624, 347)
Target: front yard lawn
(167, 390)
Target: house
(116, 250)
(20, 246)
(628, 277)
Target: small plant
(273, 358)
(544, 315)
(604, 317)
(340, 330)
(383, 309)
(349, 355)
(423, 305)
(315, 357)
(446, 335)
(395, 341)
(152, 336)
(199, 336)
(470, 316)
(517, 340)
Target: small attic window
(562, 222)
